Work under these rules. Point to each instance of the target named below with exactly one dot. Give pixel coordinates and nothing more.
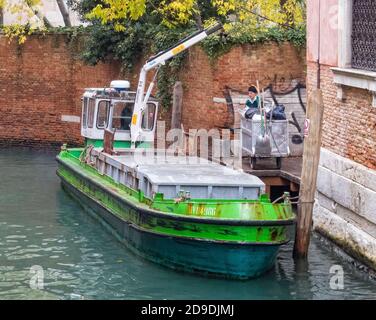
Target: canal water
(44, 234)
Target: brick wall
(242, 66)
(41, 81)
(349, 127)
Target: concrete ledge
(347, 193)
(346, 214)
(349, 184)
(345, 208)
(355, 78)
(351, 239)
(348, 169)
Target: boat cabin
(112, 108)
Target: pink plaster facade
(322, 31)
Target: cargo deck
(171, 175)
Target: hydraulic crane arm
(154, 62)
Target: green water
(40, 225)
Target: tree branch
(64, 12)
(40, 16)
(1, 17)
(197, 16)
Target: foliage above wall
(239, 34)
(28, 17)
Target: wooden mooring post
(177, 105)
(311, 157)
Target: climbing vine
(239, 34)
(137, 41)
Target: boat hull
(190, 255)
(210, 257)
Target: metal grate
(364, 35)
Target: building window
(357, 47)
(363, 40)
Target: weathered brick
(349, 127)
(41, 81)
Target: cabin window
(122, 115)
(84, 113)
(148, 115)
(102, 114)
(90, 114)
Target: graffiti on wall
(293, 99)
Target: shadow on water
(41, 225)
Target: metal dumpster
(279, 139)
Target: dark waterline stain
(40, 225)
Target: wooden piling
(177, 105)
(311, 157)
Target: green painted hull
(227, 238)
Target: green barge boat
(233, 238)
(185, 213)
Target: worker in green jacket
(253, 98)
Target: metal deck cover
(205, 174)
(188, 170)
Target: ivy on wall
(136, 42)
(240, 34)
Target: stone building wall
(349, 127)
(345, 210)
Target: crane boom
(154, 62)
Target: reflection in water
(40, 225)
